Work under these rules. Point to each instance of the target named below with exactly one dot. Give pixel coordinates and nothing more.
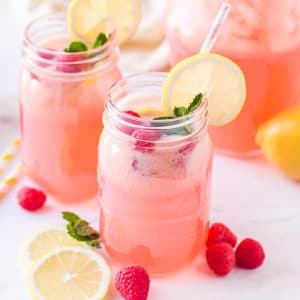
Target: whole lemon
(279, 139)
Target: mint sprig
(79, 46)
(195, 103)
(179, 112)
(81, 231)
(182, 110)
(100, 40)
(76, 46)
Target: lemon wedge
(85, 18)
(217, 77)
(76, 273)
(43, 242)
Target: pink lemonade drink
(154, 178)
(61, 105)
(263, 38)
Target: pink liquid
(154, 206)
(263, 38)
(61, 120)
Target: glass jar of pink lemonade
(263, 38)
(154, 178)
(61, 105)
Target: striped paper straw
(9, 154)
(7, 184)
(215, 28)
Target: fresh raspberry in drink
(45, 56)
(127, 129)
(188, 148)
(69, 63)
(145, 140)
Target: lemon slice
(146, 111)
(216, 76)
(85, 18)
(76, 273)
(45, 241)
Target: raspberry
(249, 254)
(126, 129)
(45, 56)
(186, 149)
(132, 113)
(145, 140)
(69, 63)
(220, 233)
(133, 283)
(220, 258)
(31, 199)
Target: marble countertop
(249, 196)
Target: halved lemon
(76, 273)
(85, 18)
(214, 75)
(45, 241)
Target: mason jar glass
(154, 178)
(61, 105)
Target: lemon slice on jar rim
(214, 75)
(85, 18)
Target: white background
(249, 196)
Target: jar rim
(176, 131)
(55, 64)
(61, 16)
(158, 78)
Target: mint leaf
(195, 103)
(72, 232)
(100, 40)
(70, 217)
(180, 111)
(83, 229)
(76, 46)
(80, 230)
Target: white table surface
(249, 196)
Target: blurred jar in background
(263, 38)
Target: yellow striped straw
(9, 155)
(7, 184)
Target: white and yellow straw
(9, 155)
(7, 184)
(6, 159)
